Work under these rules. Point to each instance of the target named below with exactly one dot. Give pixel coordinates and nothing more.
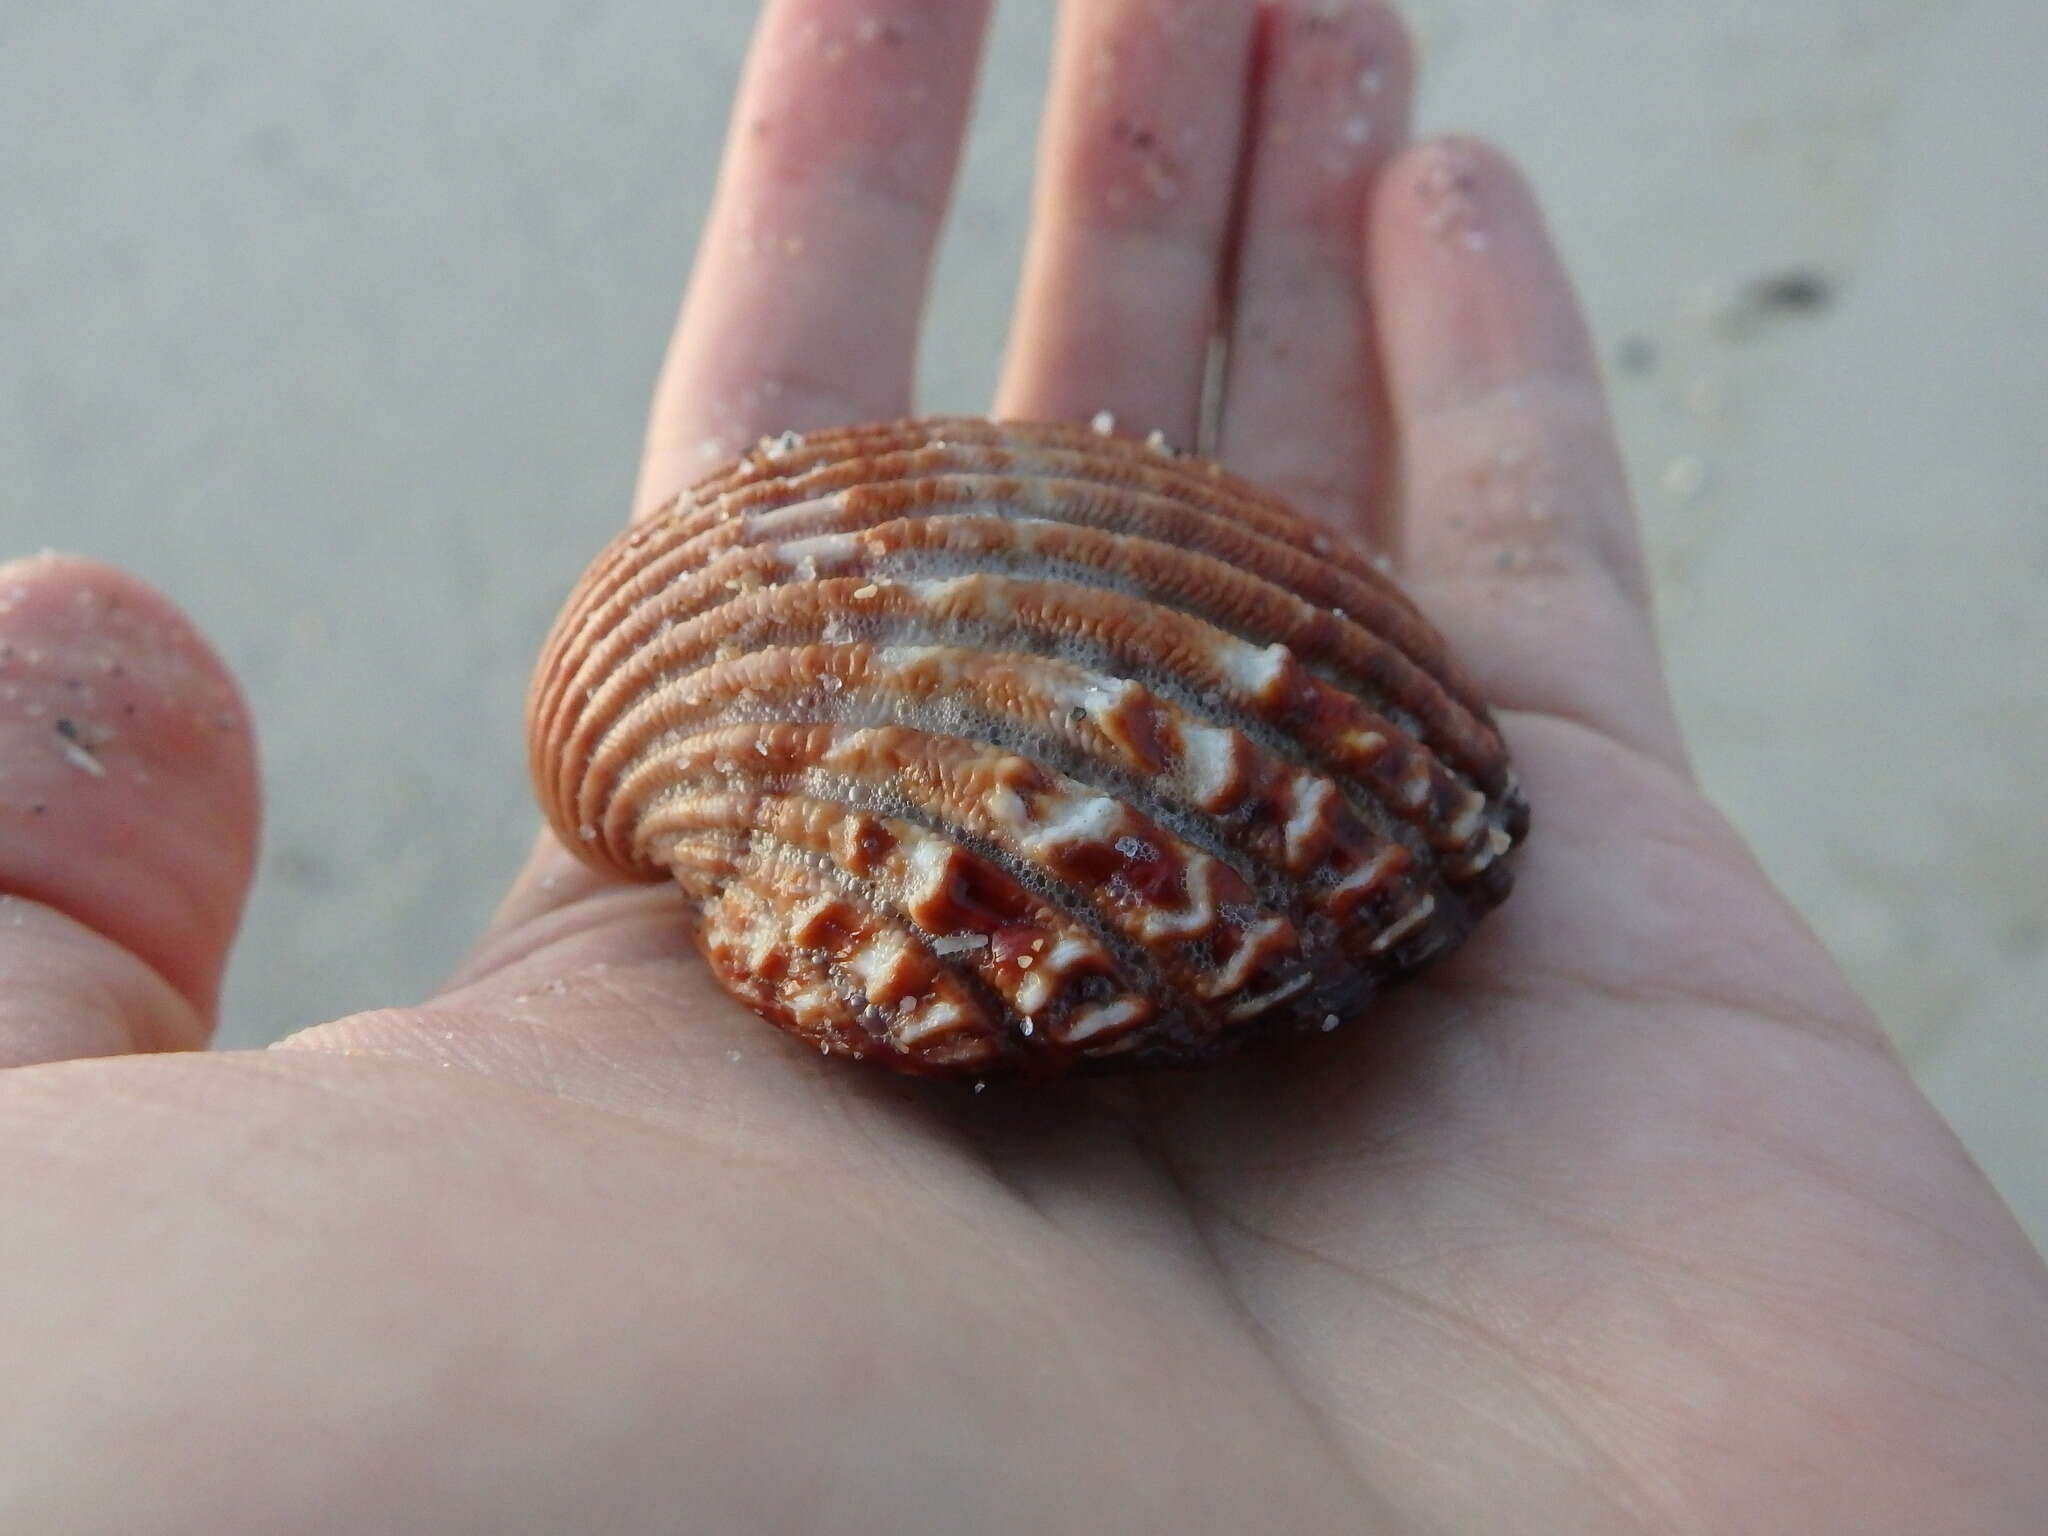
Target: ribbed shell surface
(989, 748)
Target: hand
(1624, 1219)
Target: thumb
(128, 816)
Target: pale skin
(1626, 1219)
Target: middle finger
(804, 304)
(1136, 181)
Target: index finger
(804, 304)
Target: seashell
(987, 748)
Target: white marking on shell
(894, 657)
(931, 869)
(1252, 1007)
(1244, 963)
(1078, 819)
(935, 1019)
(1069, 951)
(1404, 925)
(1417, 785)
(812, 1003)
(761, 527)
(878, 965)
(763, 938)
(1252, 668)
(1100, 1018)
(1035, 990)
(1497, 842)
(1041, 982)
(1312, 797)
(1468, 817)
(1209, 756)
(1374, 870)
(1007, 806)
(1192, 920)
(994, 596)
(958, 943)
(1367, 744)
(1100, 696)
(810, 912)
(821, 552)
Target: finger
(127, 816)
(1136, 179)
(804, 303)
(1302, 411)
(1517, 530)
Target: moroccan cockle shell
(987, 748)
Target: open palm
(1623, 1219)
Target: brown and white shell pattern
(989, 748)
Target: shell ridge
(989, 1007)
(889, 450)
(1095, 652)
(624, 564)
(925, 802)
(1140, 971)
(1368, 608)
(1324, 658)
(1226, 498)
(1360, 586)
(1463, 755)
(1267, 871)
(994, 1007)
(807, 994)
